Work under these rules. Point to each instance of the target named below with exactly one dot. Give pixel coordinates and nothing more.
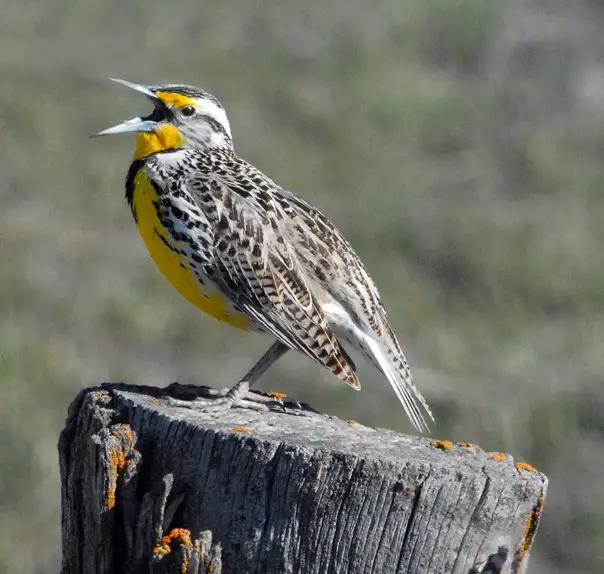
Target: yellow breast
(171, 264)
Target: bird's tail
(386, 355)
(396, 370)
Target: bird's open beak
(134, 125)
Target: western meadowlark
(250, 253)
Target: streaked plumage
(250, 252)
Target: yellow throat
(160, 139)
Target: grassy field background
(459, 144)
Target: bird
(251, 253)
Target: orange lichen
(531, 527)
(469, 445)
(498, 456)
(182, 535)
(119, 458)
(110, 497)
(276, 395)
(125, 431)
(320, 462)
(445, 445)
(352, 422)
(155, 400)
(102, 394)
(525, 466)
(242, 429)
(118, 462)
(179, 536)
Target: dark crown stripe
(190, 91)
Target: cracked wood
(152, 488)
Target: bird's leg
(238, 394)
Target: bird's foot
(207, 399)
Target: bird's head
(182, 117)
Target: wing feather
(255, 269)
(284, 264)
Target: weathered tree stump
(152, 488)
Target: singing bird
(251, 253)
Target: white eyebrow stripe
(209, 108)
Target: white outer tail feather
(401, 387)
(405, 390)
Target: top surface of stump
(325, 433)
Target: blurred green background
(458, 144)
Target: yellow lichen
(445, 445)
(242, 429)
(276, 395)
(155, 400)
(525, 466)
(531, 527)
(160, 551)
(180, 536)
(499, 456)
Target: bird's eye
(188, 111)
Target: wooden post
(152, 488)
